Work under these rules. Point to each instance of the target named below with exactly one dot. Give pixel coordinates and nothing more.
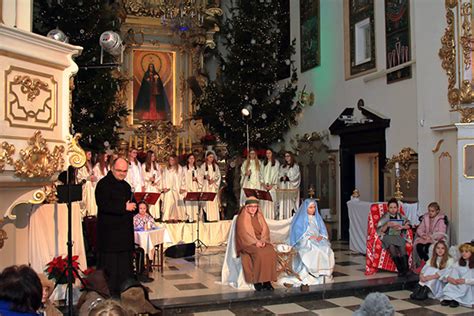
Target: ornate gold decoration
(51, 193)
(355, 194)
(39, 197)
(36, 161)
(438, 145)
(6, 156)
(30, 99)
(405, 158)
(447, 53)
(467, 114)
(30, 87)
(77, 156)
(466, 36)
(458, 17)
(3, 234)
(159, 136)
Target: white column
(465, 223)
(17, 13)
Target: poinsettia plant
(56, 269)
(209, 139)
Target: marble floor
(200, 275)
(195, 281)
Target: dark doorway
(358, 138)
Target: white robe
(188, 185)
(152, 186)
(171, 179)
(249, 182)
(135, 177)
(462, 293)
(436, 285)
(314, 260)
(211, 207)
(289, 201)
(270, 176)
(98, 175)
(88, 205)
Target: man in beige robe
(254, 247)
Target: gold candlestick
(144, 142)
(398, 194)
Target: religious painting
(310, 34)
(284, 51)
(359, 37)
(397, 33)
(153, 85)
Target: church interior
(274, 157)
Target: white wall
(396, 101)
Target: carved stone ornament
(6, 155)
(77, 156)
(36, 161)
(30, 99)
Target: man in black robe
(115, 237)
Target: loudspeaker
(181, 250)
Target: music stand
(259, 194)
(69, 193)
(200, 197)
(149, 198)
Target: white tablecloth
(211, 234)
(149, 238)
(358, 219)
(48, 235)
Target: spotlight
(247, 110)
(57, 35)
(111, 43)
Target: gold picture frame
(163, 96)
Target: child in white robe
(191, 182)
(460, 278)
(85, 175)
(211, 182)
(270, 174)
(431, 284)
(250, 177)
(171, 184)
(290, 180)
(151, 172)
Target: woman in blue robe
(309, 236)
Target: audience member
(20, 291)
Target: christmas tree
(249, 76)
(96, 113)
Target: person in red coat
(115, 238)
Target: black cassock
(115, 236)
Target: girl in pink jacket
(431, 229)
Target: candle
(190, 144)
(130, 141)
(136, 142)
(397, 169)
(144, 142)
(177, 145)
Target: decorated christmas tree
(96, 113)
(249, 76)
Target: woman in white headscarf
(308, 235)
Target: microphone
(131, 196)
(193, 175)
(83, 181)
(248, 177)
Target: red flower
(57, 268)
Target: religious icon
(153, 85)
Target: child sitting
(432, 273)
(460, 278)
(392, 227)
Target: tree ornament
(241, 63)
(264, 116)
(253, 41)
(106, 144)
(83, 111)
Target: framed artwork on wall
(397, 38)
(310, 29)
(359, 38)
(468, 161)
(153, 85)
